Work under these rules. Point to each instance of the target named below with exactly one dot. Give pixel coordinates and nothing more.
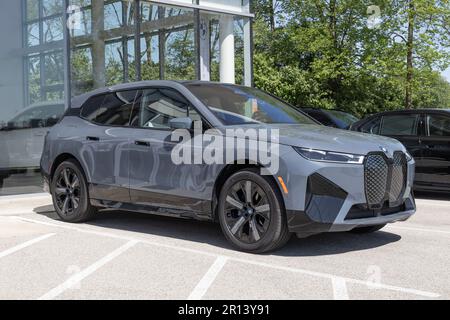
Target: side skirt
(146, 209)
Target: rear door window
(438, 125)
(400, 125)
(113, 109)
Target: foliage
(341, 54)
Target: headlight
(330, 156)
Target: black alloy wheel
(67, 191)
(70, 193)
(247, 211)
(251, 212)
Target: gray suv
(114, 149)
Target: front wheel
(251, 213)
(371, 229)
(70, 193)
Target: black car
(331, 118)
(426, 135)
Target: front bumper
(304, 225)
(329, 197)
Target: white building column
(248, 47)
(227, 52)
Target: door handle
(142, 143)
(92, 138)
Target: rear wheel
(251, 213)
(370, 229)
(70, 193)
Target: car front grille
(385, 179)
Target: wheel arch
(60, 159)
(227, 172)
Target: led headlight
(330, 156)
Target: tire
(371, 229)
(1, 181)
(71, 202)
(258, 226)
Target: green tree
(345, 56)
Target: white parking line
(208, 279)
(69, 283)
(419, 229)
(24, 197)
(339, 289)
(67, 226)
(25, 245)
(252, 262)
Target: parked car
(426, 135)
(22, 137)
(113, 149)
(332, 118)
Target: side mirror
(181, 123)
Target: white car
(22, 137)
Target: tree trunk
(333, 21)
(409, 58)
(272, 15)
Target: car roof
(398, 112)
(78, 101)
(409, 111)
(324, 110)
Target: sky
(447, 74)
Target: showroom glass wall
(53, 50)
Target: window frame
(104, 94)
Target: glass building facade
(53, 50)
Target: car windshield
(347, 118)
(237, 105)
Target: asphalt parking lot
(134, 256)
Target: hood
(330, 139)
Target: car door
(155, 181)
(436, 150)
(105, 144)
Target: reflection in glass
(53, 29)
(54, 69)
(180, 55)
(81, 70)
(33, 34)
(32, 9)
(34, 77)
(52, 7)
(150, 57)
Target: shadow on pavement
(432, 195)
(210, 233)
